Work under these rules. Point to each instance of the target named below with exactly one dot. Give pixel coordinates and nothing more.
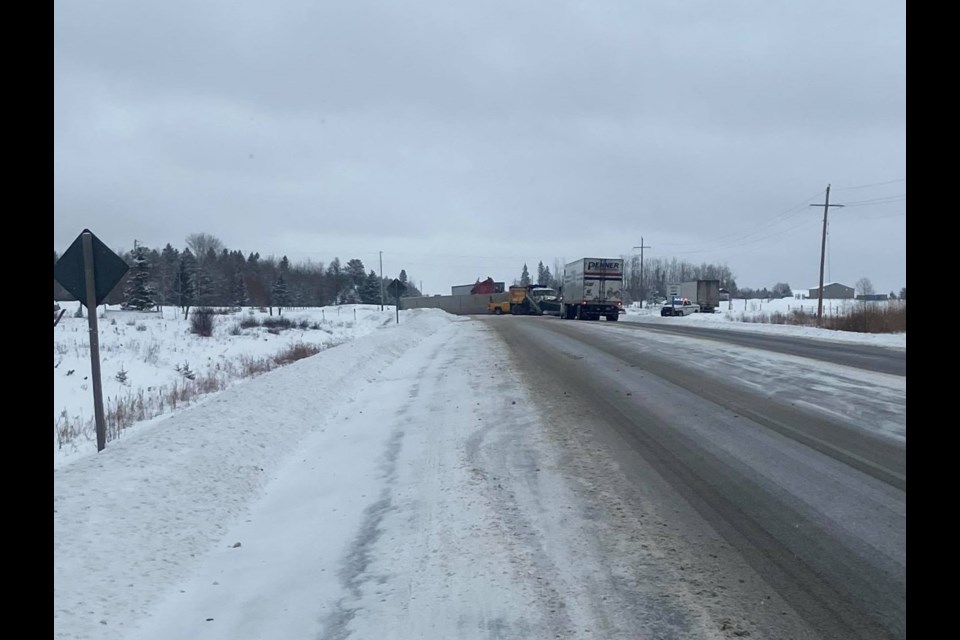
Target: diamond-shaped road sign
(108, 269)
(396, 287)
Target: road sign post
(396, 288)
(89, 270)
(91, 291)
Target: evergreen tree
(356, 272)
(184, 287)
(335, 280)
(403, 276)
(257, 291)
(239, 289)
(541, 276)
(203, 279)
(281, 296)
(351, 295)
(547, 278)
(167, 272)
(524, 276)
(138, 293)
(370, 292)
(903, 293)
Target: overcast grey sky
(463, 139)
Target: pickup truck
(679, 307)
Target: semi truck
(592, 288)
(705, 293)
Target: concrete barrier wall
(457, 305)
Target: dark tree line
(205, 273)
(544, 277)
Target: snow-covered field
(144, 357)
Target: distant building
(833, 291)
(489, 286)
(461, 289)
(873, 296)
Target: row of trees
(544, 277)
(205, 273)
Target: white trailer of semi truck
(592, 287)
(705, 293)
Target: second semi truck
(592, 288)
(705, 293)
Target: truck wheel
(498, 311)
(613, 318)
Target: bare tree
(202, 243)
(864, 287)
(205, 248)
(782, 290)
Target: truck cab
(547, 299)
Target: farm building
(833, 291)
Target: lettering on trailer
(604, 270)
(604, 265)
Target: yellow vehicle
(499, 308)
(520, 303)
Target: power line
(763, 226)
(884, 200)
(876, 184)
(761, 234)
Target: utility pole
(381, 281)
(643, 297)
(823, 249)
